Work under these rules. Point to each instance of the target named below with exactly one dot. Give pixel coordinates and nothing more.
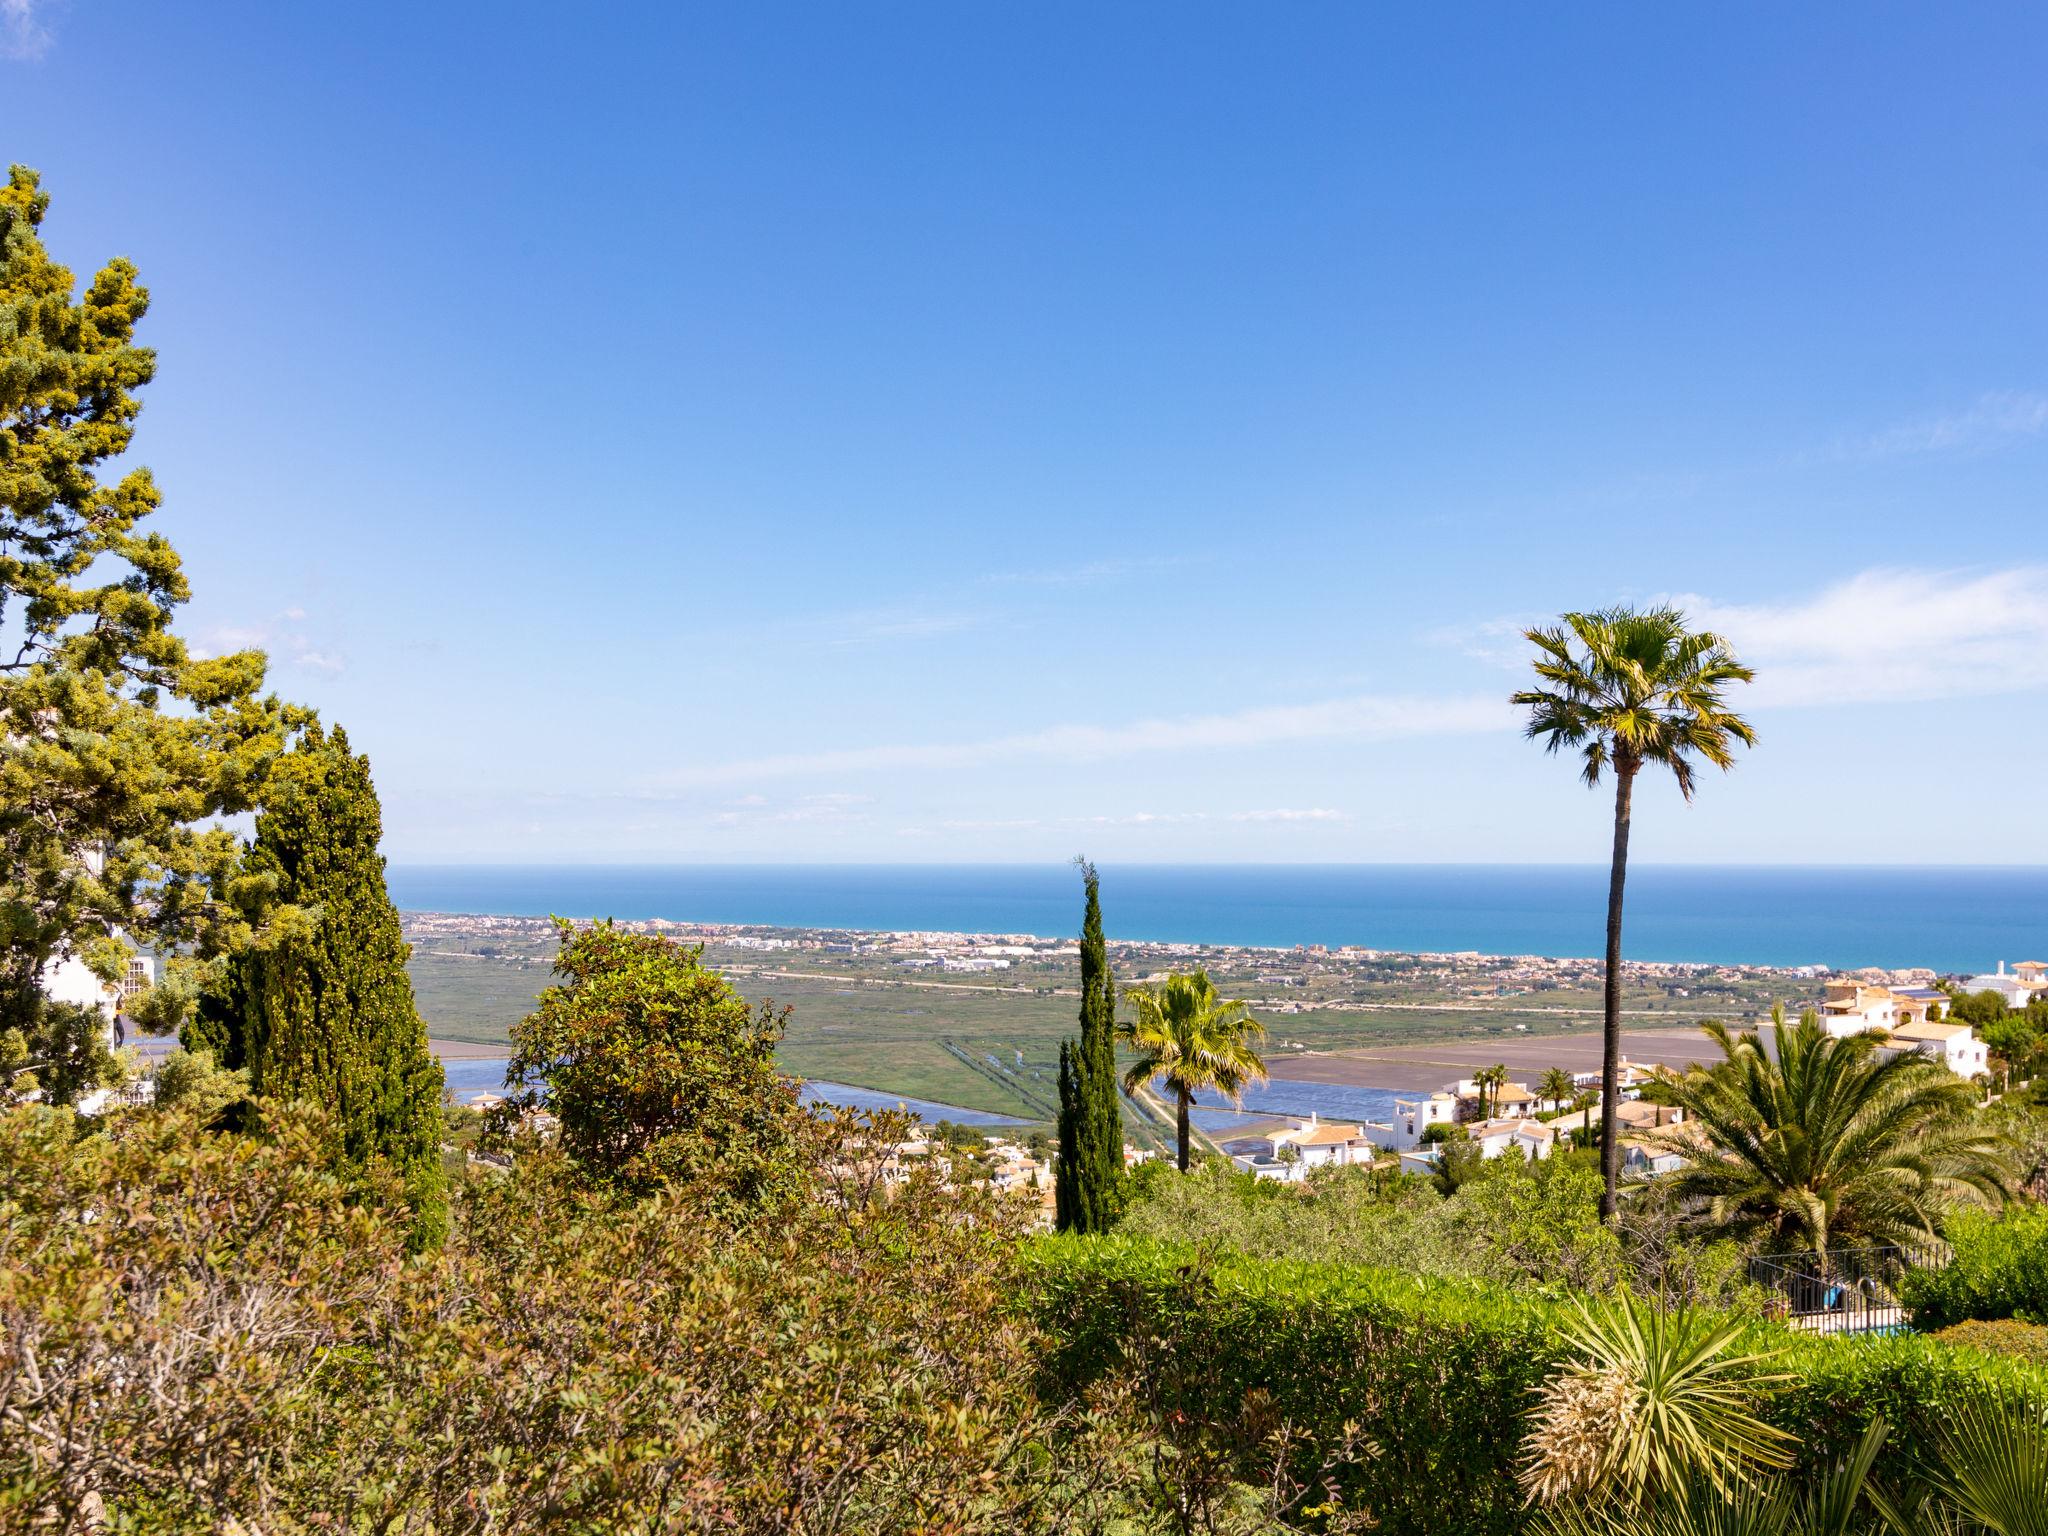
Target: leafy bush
(1999, 1270)
(205, 1332)
(1509, 1221)
(659, 1072)
(1432, 1378)
(2007, 1336)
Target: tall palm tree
(1627, 689)
(1556, 1087)
(1184, 1031)
(1819, 1141)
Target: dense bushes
(1434, 1376)
(1999, 1269)
(2007, 1336)
(213, 1332)
(1509, 1221)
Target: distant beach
(1950, 918)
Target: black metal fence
(1845, 1290)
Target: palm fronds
(1827, 1141)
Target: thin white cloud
(1365, 717)
(1317, 813)
(870, 625)
(27, 28)
(1900, 635)
(1091, 572)
(1991, 419)
(278, 635)
(754, 810)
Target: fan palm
(1184, 1031)
(1556, 1087)
(1627, 689)
(1993, 1470)
(1823, 1141)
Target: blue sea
(1952, 918)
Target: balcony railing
(1845, 1290)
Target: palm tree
(1821, 1141)
(1555, 1087)
(1490, 1081)
(1624, 690)
(1188, 1034)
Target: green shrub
(1436, 1375)
(214, 1333)
(2007, 1336)
(2000, 1270)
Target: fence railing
(1845, 1290)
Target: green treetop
(118, 749)
(660, 1073)
(1088, 1179)
(1186, 1032)
(326, 1009)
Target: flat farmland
(927, 1017)
(1434, 1063)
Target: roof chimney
(2001, 967)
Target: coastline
(1950, 919)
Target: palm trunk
(1182, 1119)
(1610, 1045)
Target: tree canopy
(658, 1072)
(1816, 1141)
(119, 748)
(1184, 1030)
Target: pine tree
(1088, 1179)
(328, 1013)
(121, 754)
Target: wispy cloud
(866, 626)
(754, 810)
(27, 28)
(1991, 419)
(1362, 717)
(1090, 572)
(1904, 635)
(1908, 635)
(1128, 819)
(1317, 813)
(279, 635)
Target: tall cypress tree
(327, 1009)
(1088, 1179)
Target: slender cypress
(328, 1012)
(1088, 1180)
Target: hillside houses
(1912, 1018)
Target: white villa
(68, 980)
(1531, 1138)
(1907, 1016)
(1851, 1007)
(1411, 1118)
(1306, 1145)
(2019, 986)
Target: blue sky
(942, 432)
